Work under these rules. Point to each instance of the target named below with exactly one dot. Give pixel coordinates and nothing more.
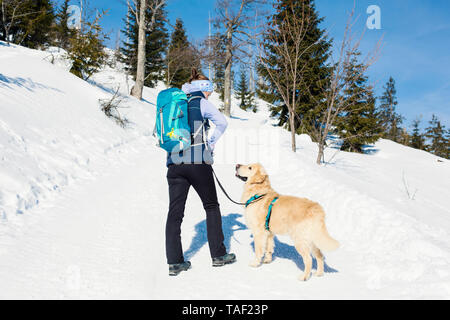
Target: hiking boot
(175, 269)
(223, 260)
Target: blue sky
(416, 44)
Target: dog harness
(257, 197)
(269, 213)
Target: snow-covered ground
(83, 202)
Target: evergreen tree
(219, 80)
(438, 137)
(39, 26)
(181, 57)
(447, 139)
(179, 45)
(405, 138)
(264, 92)
(244, 95)
(62, 31)
(219, 65)
(29, 22)
(86, 49)
(390, 119)
(359, 124)
(155, 47)
(417, 139)
(129, 45)
(316, 48)
(157, 42)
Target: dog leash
(226, 194)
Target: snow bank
(51, 129)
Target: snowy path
(94, 242)
(103, 238)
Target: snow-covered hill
(83, 202)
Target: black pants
(180, 179)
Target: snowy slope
(83, 202)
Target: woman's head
(202, 82)
(195, 75)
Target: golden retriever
(302, 219)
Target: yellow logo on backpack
(172, 134)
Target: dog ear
(259, 177)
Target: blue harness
(269, 213)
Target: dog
(302, 219)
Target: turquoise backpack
(172, 126)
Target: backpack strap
(194, 97)
(201, 128)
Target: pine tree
(390, 119)
(155, 47)
(219, 80)
(63, 33)
(447, 139)
(129, 45)
(244, 95)
(181, 57)
(218, 65)
(405, 138)
(316, 48)
(417, 139)
(39, 26)
(86, 49)
(29, 22)
(359, 124)
(157, 42)
(438, 136)
(264, 92)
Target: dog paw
(304, 277)
(255, 264)
(318, 274)
(267, 258)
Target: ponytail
(195, 75)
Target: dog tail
(324, 241)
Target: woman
(193, 168)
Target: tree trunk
(137, 89)
(4, 27)
(293, 133)
(227, 84)
(3, 22)
(6, 35)
(320, 153)
(3, 36)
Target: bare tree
(175, 59)
(336, 101)
(179, 58)
(285, 39)
(111, 108)
(139, 8)
(234, 17)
